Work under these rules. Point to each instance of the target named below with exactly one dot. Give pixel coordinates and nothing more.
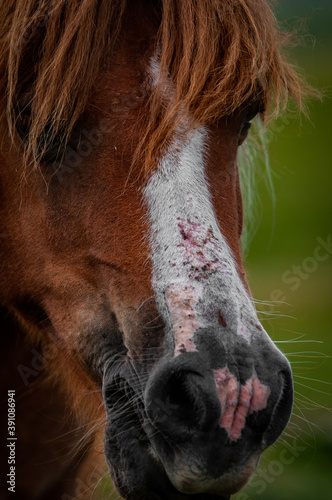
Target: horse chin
(145, 476)
(190, 474)
(228, 483)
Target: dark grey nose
(181, 397)
(191, 417)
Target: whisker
(314, 379)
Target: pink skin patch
(200, 250)
(181, 301)
(238, 401)
(198, 258)
(244, 332)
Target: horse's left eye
(246, 126)
(244, 131)
(248, 122)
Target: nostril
(182, 395)
(180, 401)
(283, 408)
(193, 403)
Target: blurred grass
(300, 154)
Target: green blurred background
(299, 466)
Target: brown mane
(218, 54)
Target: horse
(129, 334)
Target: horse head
(123, 232)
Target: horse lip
(199, 482)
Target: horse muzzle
(209, 426)
(197, 427)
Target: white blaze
(194, 273)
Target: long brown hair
(217, 54)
